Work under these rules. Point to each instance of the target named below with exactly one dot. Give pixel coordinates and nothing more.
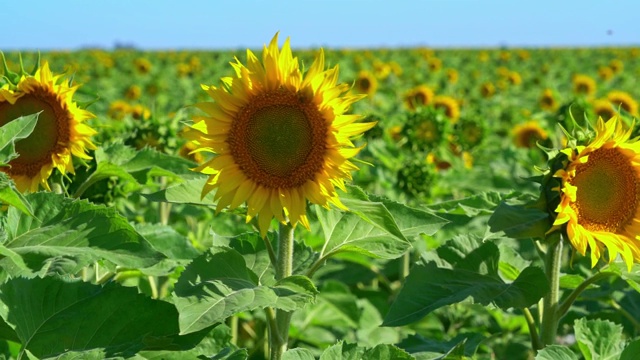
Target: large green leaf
(219, 284)
(599, 339)
(631, 351)
(217, 341)
(134, 166)
(65, 235)
(298, 354)
(344, 351)
(556, 352)
(11, 196)
(520, 221)
(187, 192)
(175, 246)
(429, 287)
(52, 316)
(375, 227)
(417, 344)
(13, 131)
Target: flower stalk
(279, 334)
(551, 302)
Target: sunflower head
(425, 129)
(605, 73)
(470, 133)
(584, 85)
(60, 133)
(624, 101)
(603, 109)
(487, 90)
(528, 134)
(599, 194)
(280, 137)
(365, 83)
(419, 96)
(452, 76)
(616, 65)
(449, 106)
(434, 64)
(548, 100)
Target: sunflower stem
(566, 304)
(551, 302)
(284, 268)
(533, 332)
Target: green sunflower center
(52, 128)
(607, 191)
(278, 139)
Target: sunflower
(616, 65)
(528, 134)
(133, 92)
(624, 101)
(419, 96)
(281, 137)
(365, 83)
(434, 64)
(603, 108)
(59, 133)
(584, 85)
(514, 78)
(449, 105)
(452, 76)
(605, 73)
(142, 65)
(600, 193)
(548, 100)
(487, 90)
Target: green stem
(550, 303)
(405, 265)
(284, 268)
(566, 304)
(92, 179)
(626, 314)
(531, 323)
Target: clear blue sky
(232, 24)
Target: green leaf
(298, 354)
(176, 247)
(631, 351)
(13, 131)
(471, 253)
(343, 351)
(599, 339)
(556, 352)
(428, 288)
(52, 316)
(520, 221)
(11, 196)
(187, 192)
(134, 166)
(377, 228)
(217, 341)
(231, 353)
(468, 343)
(218, 284)
(65, 235)
(386, 352)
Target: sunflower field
(298, 204)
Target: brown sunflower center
(51, 132)
(279, 139)
(607, 191)
(364, 84)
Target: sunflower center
(364, 84)
(607, 191)
(279, 139)
(52, 128)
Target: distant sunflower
(605, 73)
(487, 90)
(584, 85)
(616, 65)
(366, 83)
(419, 96)
(142, 65)
(60, 132)
(452, 76)
(449, 105)
(600, 193)
(603, 108)
(514, 78)
(548, 100)
(624, 100)
(526, 135)
(435, 64)
(281, 137)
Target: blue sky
(232, 24)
